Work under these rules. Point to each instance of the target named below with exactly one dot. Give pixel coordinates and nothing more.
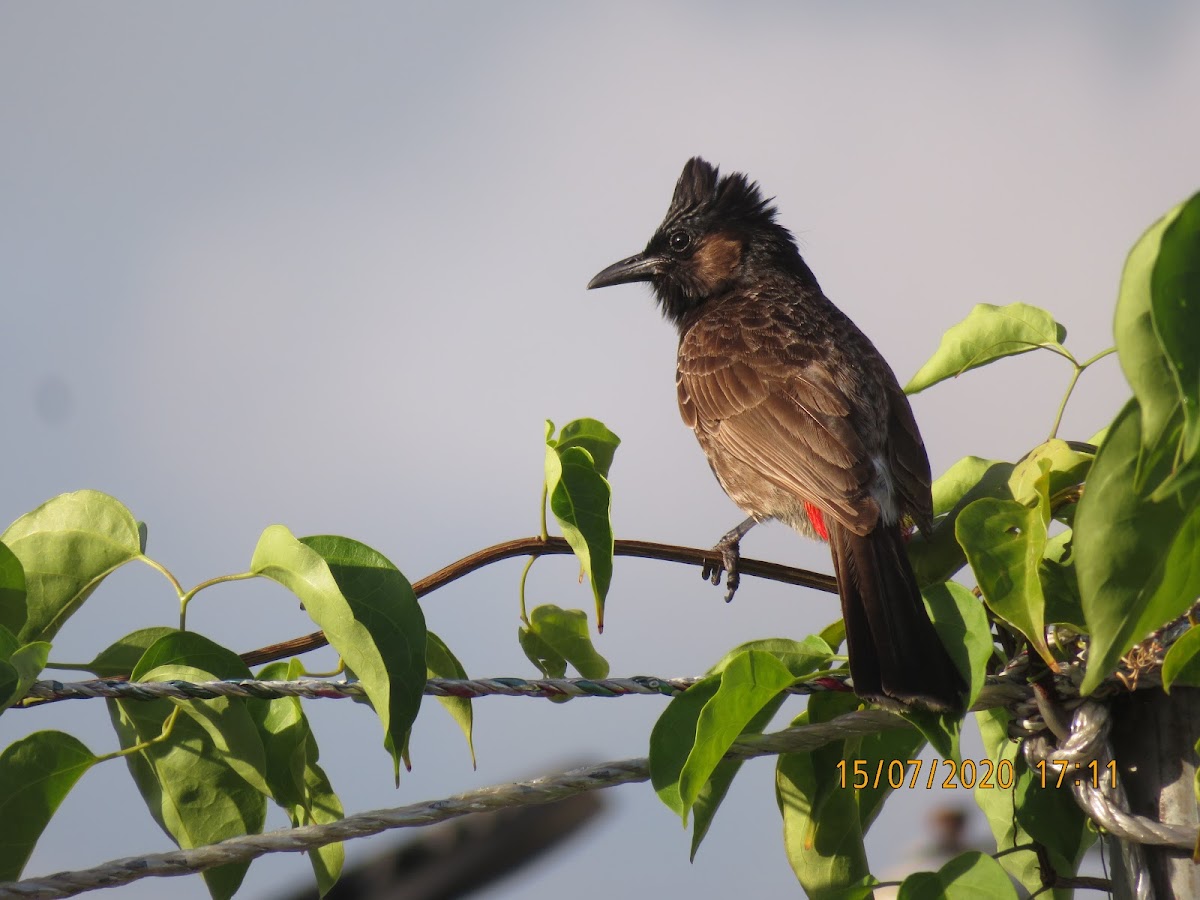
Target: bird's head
(717, 231)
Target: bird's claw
(712, 570)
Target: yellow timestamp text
(1057, 772)
(911, 773)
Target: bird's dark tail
(895, 652)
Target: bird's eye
(679, 241)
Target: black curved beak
(640, 267)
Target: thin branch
(556, 546)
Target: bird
(801, 418)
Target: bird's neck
(791, 280)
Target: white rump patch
(883, 491)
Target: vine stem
(555, 546)
(185, 599)
(1079, 369)
(1062, 406)
(156, 565)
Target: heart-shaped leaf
(12, 591)
(298, 784)
(987, 334)
(1135, 557)
(67, 546)
(441, 663)
(36, 773)
(368, 612)
(581, 501)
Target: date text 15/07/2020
(970, 773)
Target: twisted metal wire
(997, 690)
(522, 793)
(1103, 800)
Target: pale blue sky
(325, 266)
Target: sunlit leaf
(566, 633)
(67, 546)
(1004, 542)
(36, 773)
(962, 624)
(21, 667)
(1175, 302)
(1182, 662)
(801, 658)
(822, 825)
(938, 556)
(550, 662)
(298, 784)
(1008, 785)
(969, 876)
(1135, 558)
(748, 683)
(581, 499)
(368, 611)
(1067, 467)
(988, 333)
(120, 657)
(594, 437)
(441, 663)
(12, 591)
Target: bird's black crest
(702, 191)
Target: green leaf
(672, 739)
(36, 773)
(67, 546)
(565, 631)
(748, 683)
(191, 657)
(1135, 558)
(1004, 542)
(226, 721)
(298, 784)
(191, 791)
(180, 648)
(1051, 817)
(12, 591)
(368, 611)
(1175, 304)
(712, 794)
(801, 658)
(834, 634)
(537, 651)
(963, 626)
(937, 556)
(201, 798)
(942, 730)
(1002, 797)
(120, 657)
(10, 685)
(1067, 467)
(882, 747)
(1059, 584)
(988, 333)
(969, 876)
(1181, 664)
(1139, 346)
(995, 797)
(21, 668)
(581, 500)
(441, 663)
(594, 437)
(822, 825)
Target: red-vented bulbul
(800, 417)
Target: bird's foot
(729, 549)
